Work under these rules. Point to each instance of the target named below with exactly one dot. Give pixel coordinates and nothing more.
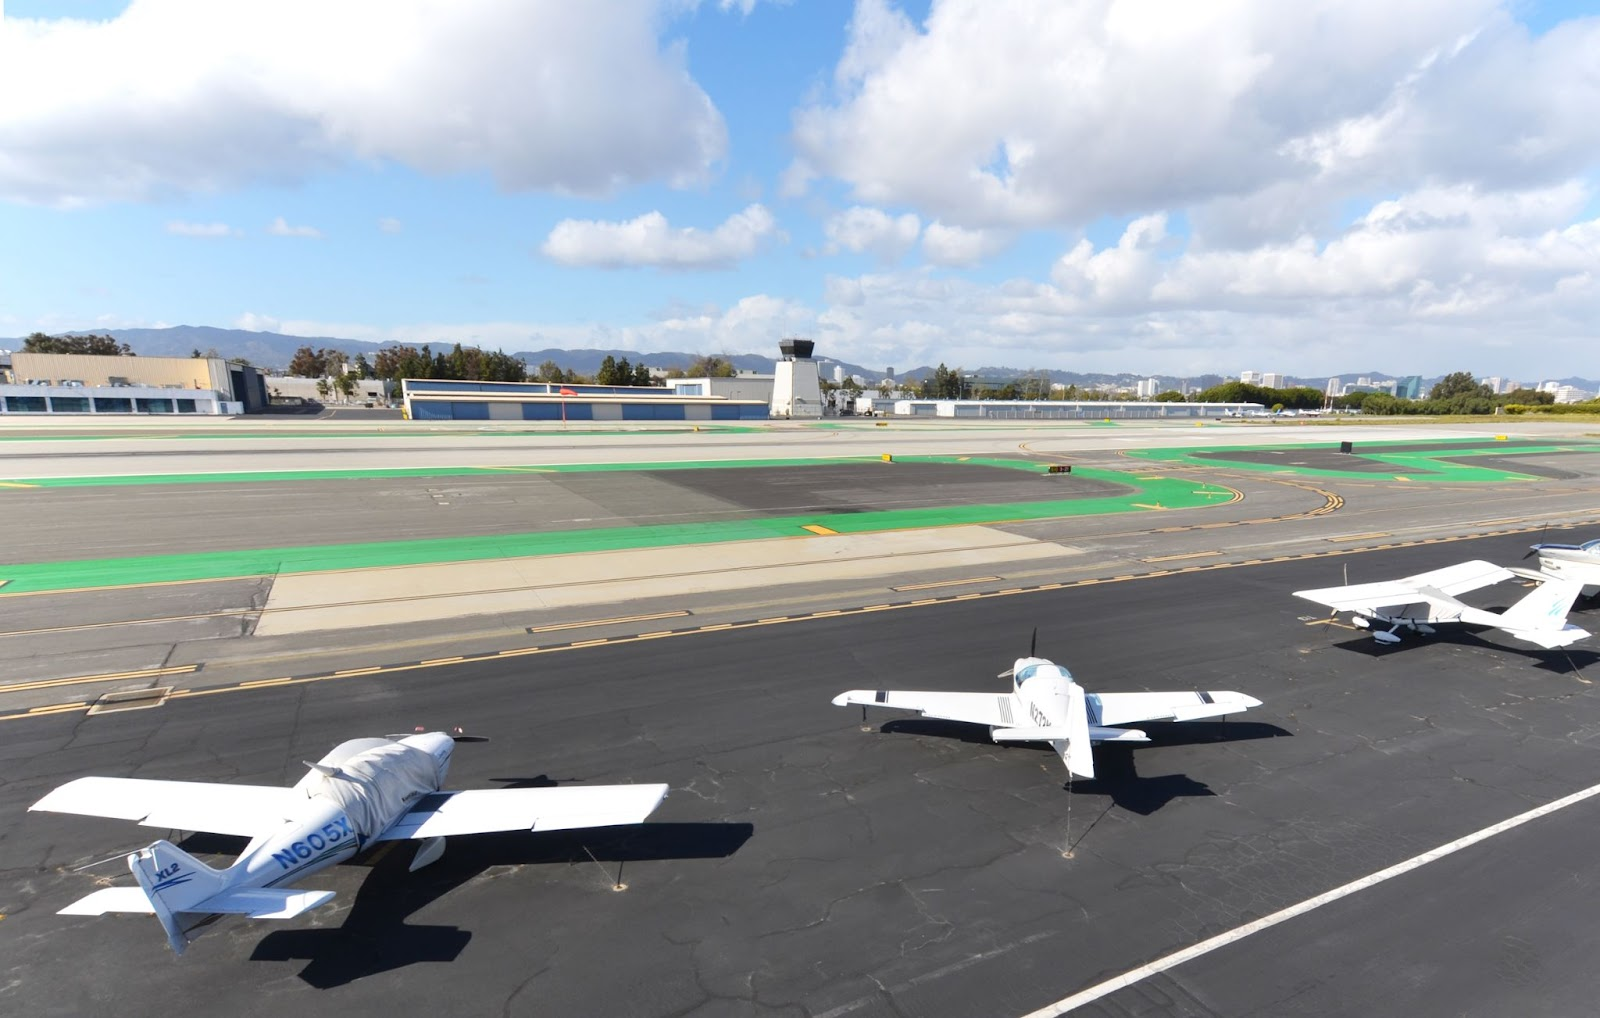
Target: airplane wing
(1128, 708)
(244, 810)
(992, 709)
(1451, 580)
(489, 810)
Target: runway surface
(805, 866)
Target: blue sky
(1129, 186)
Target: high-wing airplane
(1046, 705)
(363, 792)
(1414, 602)
(1579, 562)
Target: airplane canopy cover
(376, 786)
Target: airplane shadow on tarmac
(375, 937)
(1559, 661)
(1115, 773)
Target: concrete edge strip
(1204, 947)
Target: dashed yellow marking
(1176, 558)
(358, 671)
(1359, 537)
(16, 484)
(445, 660)
(821, 531)
(258, 683)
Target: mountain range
(272, 350)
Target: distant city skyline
(1068, 183)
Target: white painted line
(1177, 958)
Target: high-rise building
(1146, 388)
(1409, 387)
(1272, 380)
(1250, 377)
(1335, 387)
(1495, 383)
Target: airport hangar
(51, 383)
(440, 400)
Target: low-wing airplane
(363, 792)
(1045, 704)
(1415, 602)
(1579, 562)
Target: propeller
(1534, 549)
(1033, 651)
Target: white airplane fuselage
(1577, 562)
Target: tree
(362, 368)
(710, 366)
(98, 346)
(346, 384)
(323, 388)
(308, 363)
(550, 371)
(1458, 384)
(1170, 396)
(607, 375)
(641, 375)
(1526, 397)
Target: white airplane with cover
(364, 792)
(1419, 602)
(1045, 704)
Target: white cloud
(389, 224)
(650, 240)
(1040, 112)
(958, 246)
(280, 227)
(861, 229)
(1436, 279)
(181, 228)
(191, 95)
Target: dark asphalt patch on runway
(894, 870)
(1532, 465)
(863, 487)
(1311, 459)
(81, 523)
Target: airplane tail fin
(1078, 752)
(176, 884)
(186, 894)
(1544, 607)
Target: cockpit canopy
(1042, 668)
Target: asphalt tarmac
(808, 865)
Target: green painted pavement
(1430, 466)
(1150, 494)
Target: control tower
(796, 390)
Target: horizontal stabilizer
(1099, 734)
(1550, 639)
(1030, 734)
(264, 902)
(111, 899)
